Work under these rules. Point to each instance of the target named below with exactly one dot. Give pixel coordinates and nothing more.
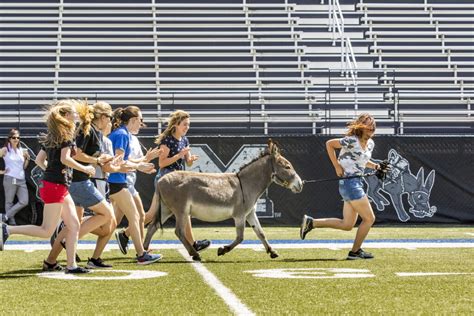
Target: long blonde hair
(86, 115)
(60, 129)
(357, 126)
(174, 119)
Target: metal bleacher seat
(255, 66)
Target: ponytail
(86, 115)
(60, 129)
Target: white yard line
(235, 305)
(258, 247)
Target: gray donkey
(214, 197)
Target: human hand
(339, 170)
(104, 158)
(146, 167)
(184, 152)
(153, 153)
(89, 170)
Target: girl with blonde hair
(56, 158)
(174, 152)
(84, 193)
(354, 156)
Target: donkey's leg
(239, 227)
(253, 221)
(155, 224)
(180, 232)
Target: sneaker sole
(149, 262)
(124, 251)
(302, 227)
(93, 266)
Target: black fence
(431, 181)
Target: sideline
(236, 306)
(333, 244)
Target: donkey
(401, 181)
(214, 197)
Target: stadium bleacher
(244, 67)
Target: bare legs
(350, 211)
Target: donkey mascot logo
(400, 181)
(214, 197)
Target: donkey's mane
(262, 154)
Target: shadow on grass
(16, 274)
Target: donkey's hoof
(274, 254)
(197, 258)
(221, 251)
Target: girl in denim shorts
(354, 156)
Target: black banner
(431, 180)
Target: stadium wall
(431, 181)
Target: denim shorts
(351, 189)
(85, 194)
(131, 180)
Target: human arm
(67, 160)
(27, 158)
(40, 160)
(83, 157)
(140, 166)
(165, 161)
(331, 146)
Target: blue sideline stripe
(273, 241)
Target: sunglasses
(15, 137)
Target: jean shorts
(85, 194)
(131, 180)
(351, 189)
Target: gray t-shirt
(352, 157)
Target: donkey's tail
(155, 224)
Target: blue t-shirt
(175, 147)
(120, 139)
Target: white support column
(57, 65)
(157, 68)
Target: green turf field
(309, 281)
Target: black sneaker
(306, 226)
(201, 244)
(3, 235)
(56, 233)
(122, 241)
(51, 267)
(359, 254)
(76, 270)
(97, 264)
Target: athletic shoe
(359, 254)
(306, 226)
(51, 267)
(147, 258)
(201, 244)
(122, 241)
(97, 264)
(3, 236)
(56, 233)
(76, 270)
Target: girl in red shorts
(55, 158)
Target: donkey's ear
(273, 147)
(420, 177)
(430, 180)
